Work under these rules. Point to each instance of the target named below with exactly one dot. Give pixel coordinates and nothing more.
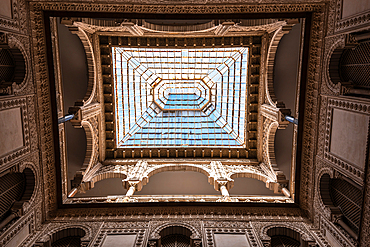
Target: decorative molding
(157, 226)
(178, 213)
(311, 112)
(141, 235)
(355, 22)
(12, 231)
(322, 167)
(349, 104)
(27, 118)
(18, 22)
(236, 227)
(43, 91)
(332, 44)
(341, 236)
(44, 112)
(90, 229)
(166, 8)
(262, 228)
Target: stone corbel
(223, 28)
(223, 188)
(276, 113)
(82, 112)
(132, 28)
(136, 176)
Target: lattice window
(7, 66)
(67, 242)
(355, 65)
(349, 199)
(175, 240)
(284, 241)
(11, 190)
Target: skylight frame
(217, 140)
(249, 153)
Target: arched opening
(30, 183)
(15, 189)
(12, 186)
(344, 200)
(354, 65)
(249, 186)
(178, 183)
(284, 241)
(67, 237)
(114, 183)
(325, 190)
(12, 69)
(175, 236)
(348, 198)
(282, 236)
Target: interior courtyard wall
(31, 226)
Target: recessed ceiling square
(180, 97)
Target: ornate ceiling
(178, 98)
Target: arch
(19, 194)
(22, 69)
(289, 230)
(12, 186)
(272, 128)
(156, 233)
(67, 230)
(348, 198)
(331, 65)
(270, 61)
(354, 65)
(175, 167)
(325, 190)
(92, 146)
(341, 201)
(105, 175)
(174, 235)
(268, 156)
(90, 60)
(251, 174)
(32, 185)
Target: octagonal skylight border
(140, 122)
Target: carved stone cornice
(311, 113)
(9, 233)
(41, 72)
(357, 105)
(356, 22)
(18, 21)
(179, 213)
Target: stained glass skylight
(180, 97)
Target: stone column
(223, 189)
(131, 190)
(222, 186)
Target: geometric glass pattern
(180, 97)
